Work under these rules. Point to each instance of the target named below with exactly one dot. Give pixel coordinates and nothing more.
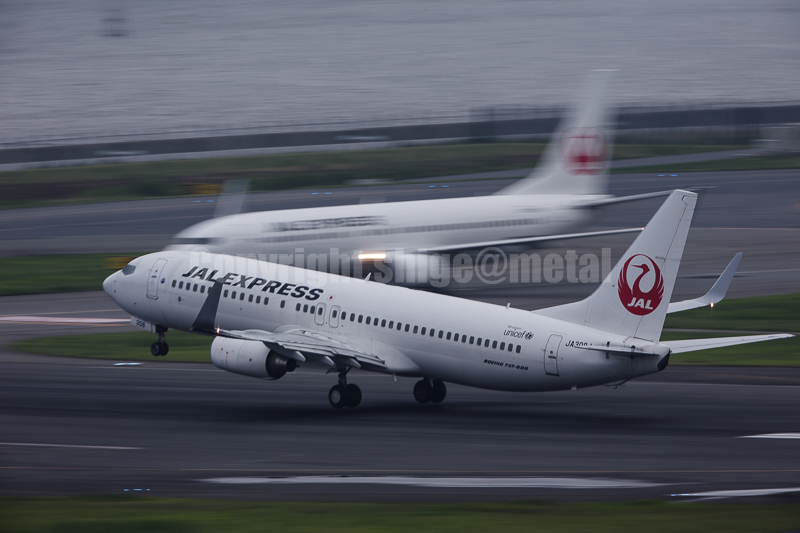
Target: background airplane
(269, 318)
(415, 237)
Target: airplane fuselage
(414, 333)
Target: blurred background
(120, 121)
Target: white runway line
(69, 446)
(772, 436)
(738, 493)
(61, 320)
(444, 482)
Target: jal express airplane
(267, 319)
(556, 197)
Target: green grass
(284, 171)
(134, 513)
(40, 274)
(132, 346)
(739, 163)
(761, 313)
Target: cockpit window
(128, 270)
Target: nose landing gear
(344, 395)
(160, 347)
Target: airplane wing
(622, 199)
(719, 342)
(302, 345)
(528, 240)
(717, 292)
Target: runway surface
(78, 426)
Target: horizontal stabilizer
(693, 345)
(531, 240)
(717, 292)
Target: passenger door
(155, 278)
(551, 355)
(319, 317)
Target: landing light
(371, 256)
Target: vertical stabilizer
(576, 160)
(633, 299)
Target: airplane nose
(110, 283)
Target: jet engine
(250, 358)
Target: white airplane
(269, 318)
(413, 235)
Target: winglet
(717, 292)
(207, 316)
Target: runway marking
(718, 494)
(772, 436)
(443, 482)
(68, 446)
(11, 319)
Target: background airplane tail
(576, 159)
(633, 299)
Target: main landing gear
(344, 395)
(430, 391)
(160, 347)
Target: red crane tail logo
(583, 150)
(635, 299)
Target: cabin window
(486, 343)
(432, 332)
(383, 323)
(335, 312)
(180, 285)
(480, 341)
(173, 282)
(194, 288)
(416, 329)
(455, 337)
(441, 333)
(202, 289)
(353, 317)
(283, 304)
(423, 331)
(360, 317)
(320, 310)
(241, 296)
(471, 340)
(502, 346)
(519, 348)
(305, 308)
(448, 335)
(266, 300)
(344, 315)
(250, 298)
(225, 294)
(408, 327)
(464, 338)
(258, 299)
(399, 326)
(391, 324)
(233, 295)
(312, 309)
(510, 347)
(494, 344)
(297, 307)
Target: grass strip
(42, 274)
(134, 513)
(739, 163)
(763, 313)
(127, 181)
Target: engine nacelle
(250, 358)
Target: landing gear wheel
(423, 391)
(439, 391)
(159, 348)
(352, 395)
(337, 396)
